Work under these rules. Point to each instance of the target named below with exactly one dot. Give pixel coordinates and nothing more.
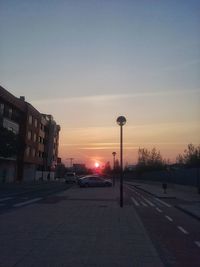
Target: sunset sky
(88, 61)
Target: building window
(33, 152)
(30, 119)
(10, 113)
(12, 129)
(36, 123)
(42, 127)
(15, 115)
(34, 137)
(29, 135)
(1, 108)
(28, 151)
(11, 126)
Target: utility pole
(71, 161)
(114, 154)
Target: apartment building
(12, 112)
(37, 137)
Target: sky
(87, 62)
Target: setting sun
(96, 165)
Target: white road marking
(169, 218)
(183, 230)
(27, 202)
(149, 202)
(159, 210)
(144, 204)
(197, 243)
(163, 202)
(131, 189)
(5, 198)
(135, 201)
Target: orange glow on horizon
(96, 144)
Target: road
(17, 196)
(175, 235)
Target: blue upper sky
(139, 51)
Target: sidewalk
(80, 227)
(188, 194)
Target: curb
(176, 206)
(152, 194)
(188, 212)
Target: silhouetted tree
(107, 168)
(149, 160)
(190, 157)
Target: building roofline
(10, 98)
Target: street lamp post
(121, 121)
(114, 154)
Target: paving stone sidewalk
(76, 228)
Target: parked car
(70, 177)
(93, 181)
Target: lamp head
(121, 120)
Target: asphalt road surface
(17, 196)
(175, 235)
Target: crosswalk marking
(149, 202)
(159, 210)
(132, 189)
(5, 198)
(163, 202)
(182, 230)
(144, 200)
(134, 201)
(144, 204)
(169, 218)
(27, 202)
(197, 243)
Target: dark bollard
(164, 186)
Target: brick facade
(38, 134)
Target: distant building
(59, 161)
(51, 142)
(38, 136)
(79, 168)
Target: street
(16, 196)
(176, 235)
(54, 224)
